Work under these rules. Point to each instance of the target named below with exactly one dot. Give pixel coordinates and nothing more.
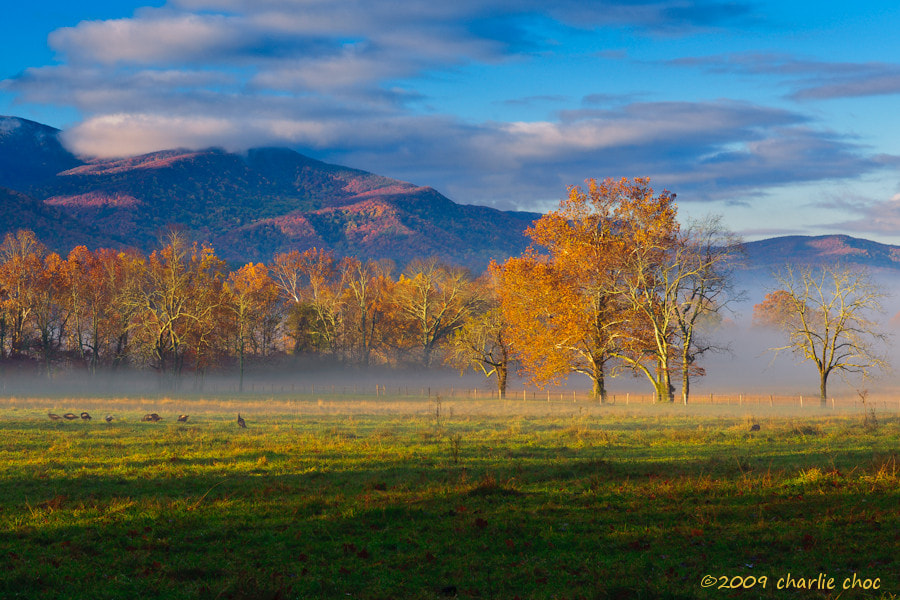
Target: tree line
(180, 309)
(612, 284)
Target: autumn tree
(481, 342)
(366, 288)
(828, 315)
(641, 235)
(21, 268)
(558, 323)
(434, 299)
(47, 313)
(775, 310)
(251, 297)
(80, 291)
(599, 293)
(96, 288)
(309, 283)
(179, 304)
(122, 275)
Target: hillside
(57, 230)
(250, 206)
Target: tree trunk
(685, 380)
(599, 391)
(241, 363)
(664, 390)
(501, 381)
(823, 388)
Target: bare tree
(704, 287)
(828, 315)
(481, 342)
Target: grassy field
(419, 498)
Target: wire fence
(374, 392)
(551, 395)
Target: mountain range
(252, 205)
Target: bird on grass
(108, 418)
(182, 418)
(85, 416)
(153, 417)
(241, 422)
(70, 416)
(54, 417)
(755, 427)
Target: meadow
(395, 498)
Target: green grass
(382, 499)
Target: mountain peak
(18, 126)
(30, 154)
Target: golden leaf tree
(619, 286)
(433, 299)
(309, 281)
(251, 298)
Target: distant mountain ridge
(774, 253)
(250, 206)
(268, 200)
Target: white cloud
(163, 39)
(333, 78)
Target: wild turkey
(70, 416)
(152, 417)
(108, 418)
(54, 417)
(182, 418)
(85, 416)
(241, 422)
(754, 427)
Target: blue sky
(781, 116)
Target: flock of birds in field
(149, 417)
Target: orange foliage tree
(252, 296)
(558, 321)
(619, 285)
(21, 267)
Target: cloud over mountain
(343, 80)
